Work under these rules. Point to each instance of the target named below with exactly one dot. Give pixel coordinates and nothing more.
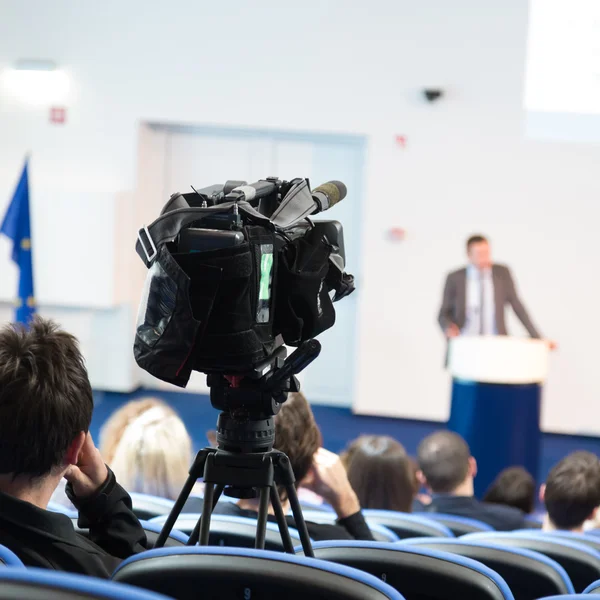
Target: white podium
(496, 397)
(499, 359)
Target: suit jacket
(454, 303)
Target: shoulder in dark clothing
(502, 518)
(41, 538)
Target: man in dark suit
(448, 470)
(475, 296)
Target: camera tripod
(244, 463)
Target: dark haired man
(475, 296)
(45, 412)
(572, 492)
(448, 470)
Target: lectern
(496, 397)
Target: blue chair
(147, 507)
(457, 525)
(43, 584)
(63, 510)
(528, 574)
(226, 530)
(581, 563)
(591, 541)
(184, 573)
(593, 588)
(9, 559)
(418, 572)
(533, 521)
(381, 533)
(176, 538)
(404, 525)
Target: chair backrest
(63, 510)
(528, 574)
(9, 559)
(175, 539)
(533, 522)
(381, 533)
(226, 530)
(458, 525)
(43, 584)
(593, 588)
(592, 541)
(581, 563)
(418, 572)
(146, 506)
(404, 525)
(246, 573)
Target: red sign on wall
(58, 115)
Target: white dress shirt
(480, 290)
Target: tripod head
(249, 403)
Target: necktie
(481, 304)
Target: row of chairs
(432, 568)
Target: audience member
(148, 448)
(449, 469)
(381, 473)
(515, 487)
(298, 436)
(572, 492)
(45, 412)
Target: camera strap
(167, 226)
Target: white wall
(346, 67)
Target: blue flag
(17, 226)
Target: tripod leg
(194, 536)
(263, 513)
(288, 545)
(176, 510)
(206, 512)
(299, 519)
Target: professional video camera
(235, 272)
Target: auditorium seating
(63, 510)
(418, 572)
(146, 506)
(9, 559)
(381, 533)
(226, 530)
(528, 574)
(404, 525)
(176, 538)
(581, 563)
(591, 541)
(244, 573)
(42, 584)
(457, 525)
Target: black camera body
(235, 272)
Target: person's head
(515, 487)
(446, 463)
(478, 251)
(572, 491)
(148, 447)
(381, 473)
(297, 435)
(45, 401)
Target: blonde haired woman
(148, 447)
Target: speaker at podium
(496, 397)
